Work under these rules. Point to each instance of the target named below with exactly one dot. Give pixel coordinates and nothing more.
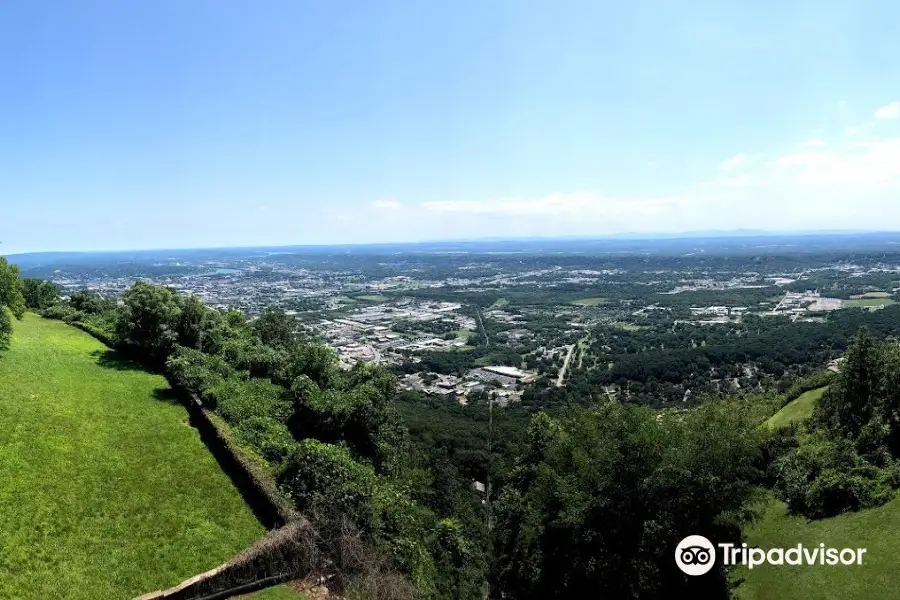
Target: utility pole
(487, 487)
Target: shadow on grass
(113, 359)
(166, 394)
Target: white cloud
(874, 163)
(386, 204)
(889, 111)
(842, 103)
(852, 130)
(737, 160)
(813, 144)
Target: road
(487, 342)
(562, 371)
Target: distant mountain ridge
(741, 240)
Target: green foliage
(334, 437)
(863, 405)
(319, 475)
(848, 461)
(325, 480)
(5, 329)
(11, 297)
(454, 553)
(11, 289)
(267, 436)
(316, 361)
(148, 322)
(250, 355)
(61, 312)
(275, 328)
(90, 303)
(190, 321)
(199, 373)
(826, 477)
(600, 499)
(239, 400)
(817, 380)
(39, 294)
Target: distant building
(502, 374)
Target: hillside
(105, 492)
(796, 410)
(878, 578)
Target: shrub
(198, 373)
(324, 480)
(267, 436)
(239, 400)
(824, 477)
(57, 311)
(319, 475)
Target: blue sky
(215, 123)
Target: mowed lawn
(796, 410)
(878, 578)
(105, 491)
(868, 302)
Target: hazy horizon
(734, 234)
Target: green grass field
(868, 302)
(796, 410)
(872, 295)
(627, 326)
(373, 298)
(105, 491)
(596, 301)
(878, 578)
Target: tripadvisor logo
(696, 555)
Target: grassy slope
(105, 492)
(595, 301)
(868, 302)
(796, 410)
(878, 578)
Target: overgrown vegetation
(12, 300)
(846, 457)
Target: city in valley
(661, 322)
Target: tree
(275, 327)
(600, 499)
(39, 294)
(11, 297)
(148, 322)
(189, 325)
(90, 302)
(848, 407)
(11, 289)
